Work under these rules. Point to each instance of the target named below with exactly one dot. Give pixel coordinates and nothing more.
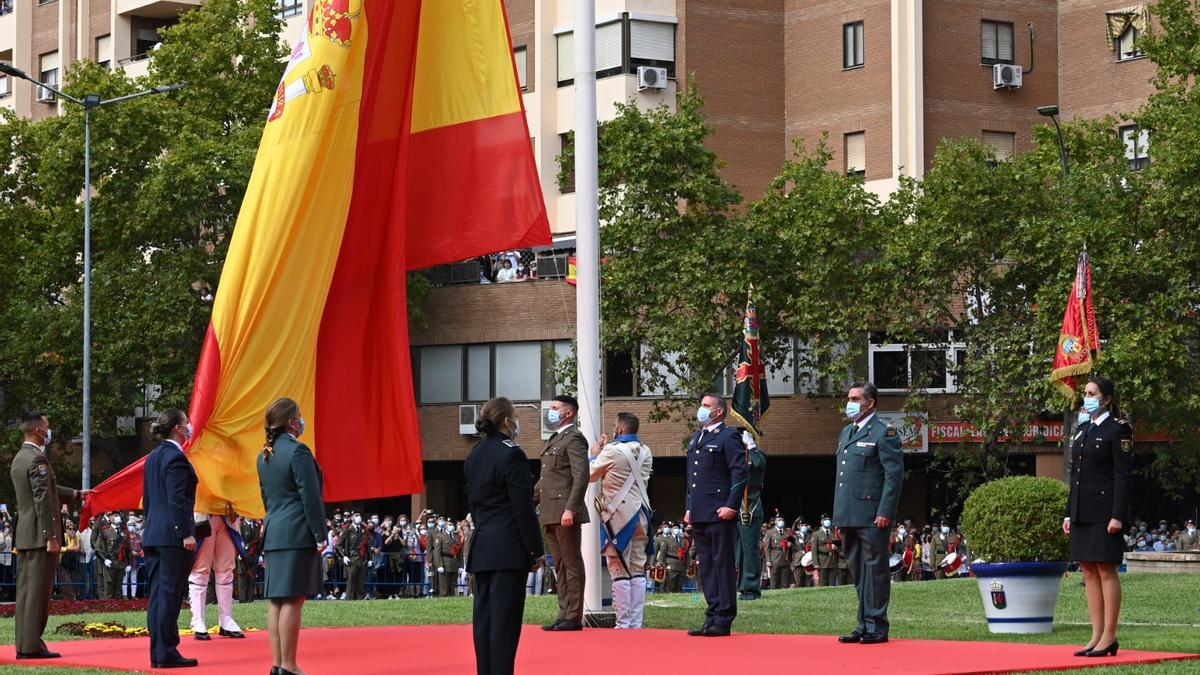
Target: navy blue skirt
(1091, 542)
(293, 573)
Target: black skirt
(1091, 542)
(293, 573)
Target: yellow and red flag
(1078, 341)
(396, 140)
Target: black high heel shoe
(1082, 652)
(1110, 650)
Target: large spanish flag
(396, 140)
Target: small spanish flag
(1079, 341)
(396, 140)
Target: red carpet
(447, 649)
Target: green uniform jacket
(564, 478)
(38, 512)
(351, 543)
(106, 542)
(773, 545)
(291, 484)
(441, 553)
(870, 466)
(756, 474)
(668, 553)
(823, 558)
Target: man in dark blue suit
(716, 481)
(169, 541)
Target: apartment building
(883, 81)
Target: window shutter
(48, 62)
(566, 57)
(521, 56)
(147, 35)
(1002, 142)
(1004, 42)
(988, 37)
(856, 152)
(858, 44)
(104, 49)
(608, 46)
(652, 41)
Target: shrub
(1017, 519)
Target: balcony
(136, 66)
(156, 9)
(8, 26)
(523, 265)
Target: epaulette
(891, 431)
(511, 443)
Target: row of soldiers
(438, 548)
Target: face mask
(403, 523)
(449, 528)
(902, 532)
(853, 409)
(429, 523)
(358, 520)
(826, 523)
(374, 520)
(553, 417)
(116, 520)
(516, 430)
(1142, 528)
(677, 531)
(1083, 418)
(703, 415)
(49, 436)
(779, 524)
(441, 523)
(804, 530)
(1191, 530)
(1091, 404)
(300, 432)
(945, 530)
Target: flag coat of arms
(1079, 340)
(750, 398)
(396, 140)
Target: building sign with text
(913, 428)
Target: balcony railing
(523, 265)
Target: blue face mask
(1084, 418)
(554, 417)
(703, 415)
(853, 409)
(1092, 405)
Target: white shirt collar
(172, 441)
(40, 448)
(1103, 416)
(863, 422)
(713, 427)
(564, 428)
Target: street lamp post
(1051, 111)
(89, 102)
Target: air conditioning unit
(651, 78)
(44, 95)
(467, 414)
(1006, 75)
(547, 432)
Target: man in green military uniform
(824, 549)
(750, 521)
(352, 546)
(939, 546)
(660, 541)
(668, 556)
(1188, 540)
(777, 545)
(444, 559)
(802, 535)
(106, 543)
(38, 538)
(247, 567)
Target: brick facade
(523, 30)
(1091, 81)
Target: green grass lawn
(1160, 613)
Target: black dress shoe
(716, 631)
(203, 637)
(274, 670)
(856, 636)
(176, 663)
(236, 634)
(694, 632)
(44, 654)
(565, 626)
(873, 639)
(284, 671)
(552, 625)
(1110, 650)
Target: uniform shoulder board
(510, 443)
(891, 431)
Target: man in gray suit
(870, 470)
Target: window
(564, 351)
(997, 42)
(1127, 44)
(852, 45)
(566, 59)
(6, 7)
(652, 43)
(896, 366)
(856, 154)
(1137, 146)
(479, 372)
(809, 366)
(521, 57)
(441, 374)
(1002, 143)
(781, 381)
(618, 373)
(518, 370)
(48, 73)
(145, 39)
(610, 51)
(665, 366)
(104, 51)
(4, 86)
(290, 8)
(566, 180)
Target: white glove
(748, 440)
(260, 560)
(108, 563)
(441, 570)
(346, 559)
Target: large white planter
(1019, 597)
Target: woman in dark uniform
(1098, 508)
(294, 528)
(500, 496)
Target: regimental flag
(750, 399)
(1079, 342)
(396, 140)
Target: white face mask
(779, 524)
(826, 523)
(449, 528)
(49, 436)
(358, 520)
